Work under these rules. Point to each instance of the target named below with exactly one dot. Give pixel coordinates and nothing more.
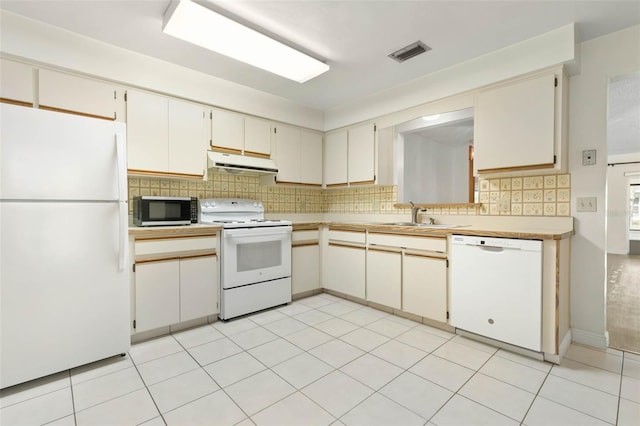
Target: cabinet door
(305, 268)
(16, 82)
(257, 137)
(384, 272)
(227, 131)
(335, 159)
(345, 270)
(514, 126)
(157, 294)
(198, 287)
(310, 158)
(69, 93)
(147, 132)
(424, 286)
(187, 139)
(288, 154)
(361, 154)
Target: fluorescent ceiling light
(196, 24)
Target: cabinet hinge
(375, 128)
(447, 314)
(211, 115)
(555, 158)
(114, 95)
(555, 82)
(125, 96)
(447, 262)
(134, 267)
(134, 321)
(275, 130)
(115, 115)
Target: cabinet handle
(347, 245)
(428, 256)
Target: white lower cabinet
(198, 287)
(345, 270)
(305, 268)
(174, 280)
(408, 273)
(424, 286)
(383, 277)
(157, 294)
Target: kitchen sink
(424, 225)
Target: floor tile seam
(595, 366)
(105, 374)
(453, 394)
(35, 396)
(384, 360)
(599, 351)
(457, 363)
(301, 393)
(523, 364)
(466, 345)
(476, 372)
(112, 399)
(149, 391)
(428, 353)
(202, 397)
(630, 400)
(73, 401)
(222, 336)
(619, 396)
(482, 405)
(397, 402)
(447, 339)
(237, 381)
(154, 359)
(174, 376)
(273, 403)
(484, 373)
(537, 394)
(576, 410)
(400, 366)
(587, 386)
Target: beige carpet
(623, 302)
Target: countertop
(193, 229)
(535, 232)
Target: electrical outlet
(586, 204)
(589, 157)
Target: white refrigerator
(64, 287)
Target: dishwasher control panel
(508, 243)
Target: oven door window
(258, 255)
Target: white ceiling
(353, 37)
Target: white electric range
(255, 255)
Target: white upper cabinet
(147, 132)
(16, 82)
(335, 159)
(298, 155)
(227, 131)
(187, 138)
(350, 156)
(257, 137)
(361, 155)
(519, 125)
(288, 154)
(237, 134)
(310, 158)
(79, 95)
(165, 136)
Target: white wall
(547, 50)
(602, 59)
(34, 41)
(618, 202)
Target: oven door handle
(256, 232)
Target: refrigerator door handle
(122, 201)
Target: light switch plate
(589, 157)
(586, 204)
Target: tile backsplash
(545, 195)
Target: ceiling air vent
(408, 52)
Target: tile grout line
(147, 387)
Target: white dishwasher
(495, 288)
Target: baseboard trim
(588, 338)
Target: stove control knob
(255, 204)
(206, 204)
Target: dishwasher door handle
(491, 248)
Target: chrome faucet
(414, 211)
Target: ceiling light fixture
(196, 24)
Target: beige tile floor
(322, 361)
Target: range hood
(236, 164)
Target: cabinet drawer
(347, 236)
(169, 245)
(305, 235)
(409, 242)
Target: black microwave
(156, 211)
